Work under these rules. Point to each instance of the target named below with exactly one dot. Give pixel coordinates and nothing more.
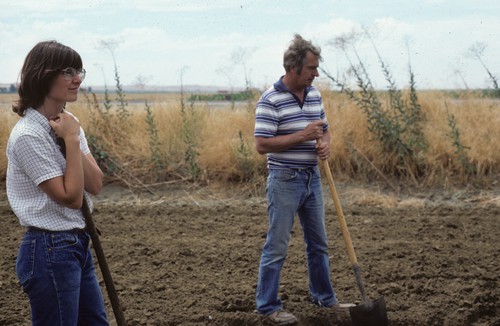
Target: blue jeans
(292, 191)
(56, 271)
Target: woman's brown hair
(42, 65)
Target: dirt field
(189, 256)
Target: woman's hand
(66, 126)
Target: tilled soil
(190, 257)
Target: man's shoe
(281, 317)
(343, 306)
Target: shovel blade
(370, 313)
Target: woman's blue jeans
(56, 271)
(291, 192)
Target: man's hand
(323, 147)
(314, 130)
(323, 150)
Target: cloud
(39, 7)
(434, 48)
(158, 38)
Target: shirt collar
(280, 86)
(35, 116)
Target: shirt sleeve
(323, 114)
(84, 146)
(266, 119)
(37, 158)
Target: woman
(46, 184)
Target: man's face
(309, 71)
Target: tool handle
(101, 258)
(103, 265)
(340, 214)
(345, 231)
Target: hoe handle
(344, 229)
(101, 258)
(340, 215)
(103, 265)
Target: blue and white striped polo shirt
(279, 112)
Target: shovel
(369, 312)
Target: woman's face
(65, 86)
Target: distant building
(8, 88)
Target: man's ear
(296, 70)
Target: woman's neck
(50, 109)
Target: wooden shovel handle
(345, 231)
(340, 213)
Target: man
(291, 128)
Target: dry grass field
(221, 139)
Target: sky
(229, 42)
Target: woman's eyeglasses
(71, 73)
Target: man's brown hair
(295, 55)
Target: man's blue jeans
(56, 271)
(290, 192)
